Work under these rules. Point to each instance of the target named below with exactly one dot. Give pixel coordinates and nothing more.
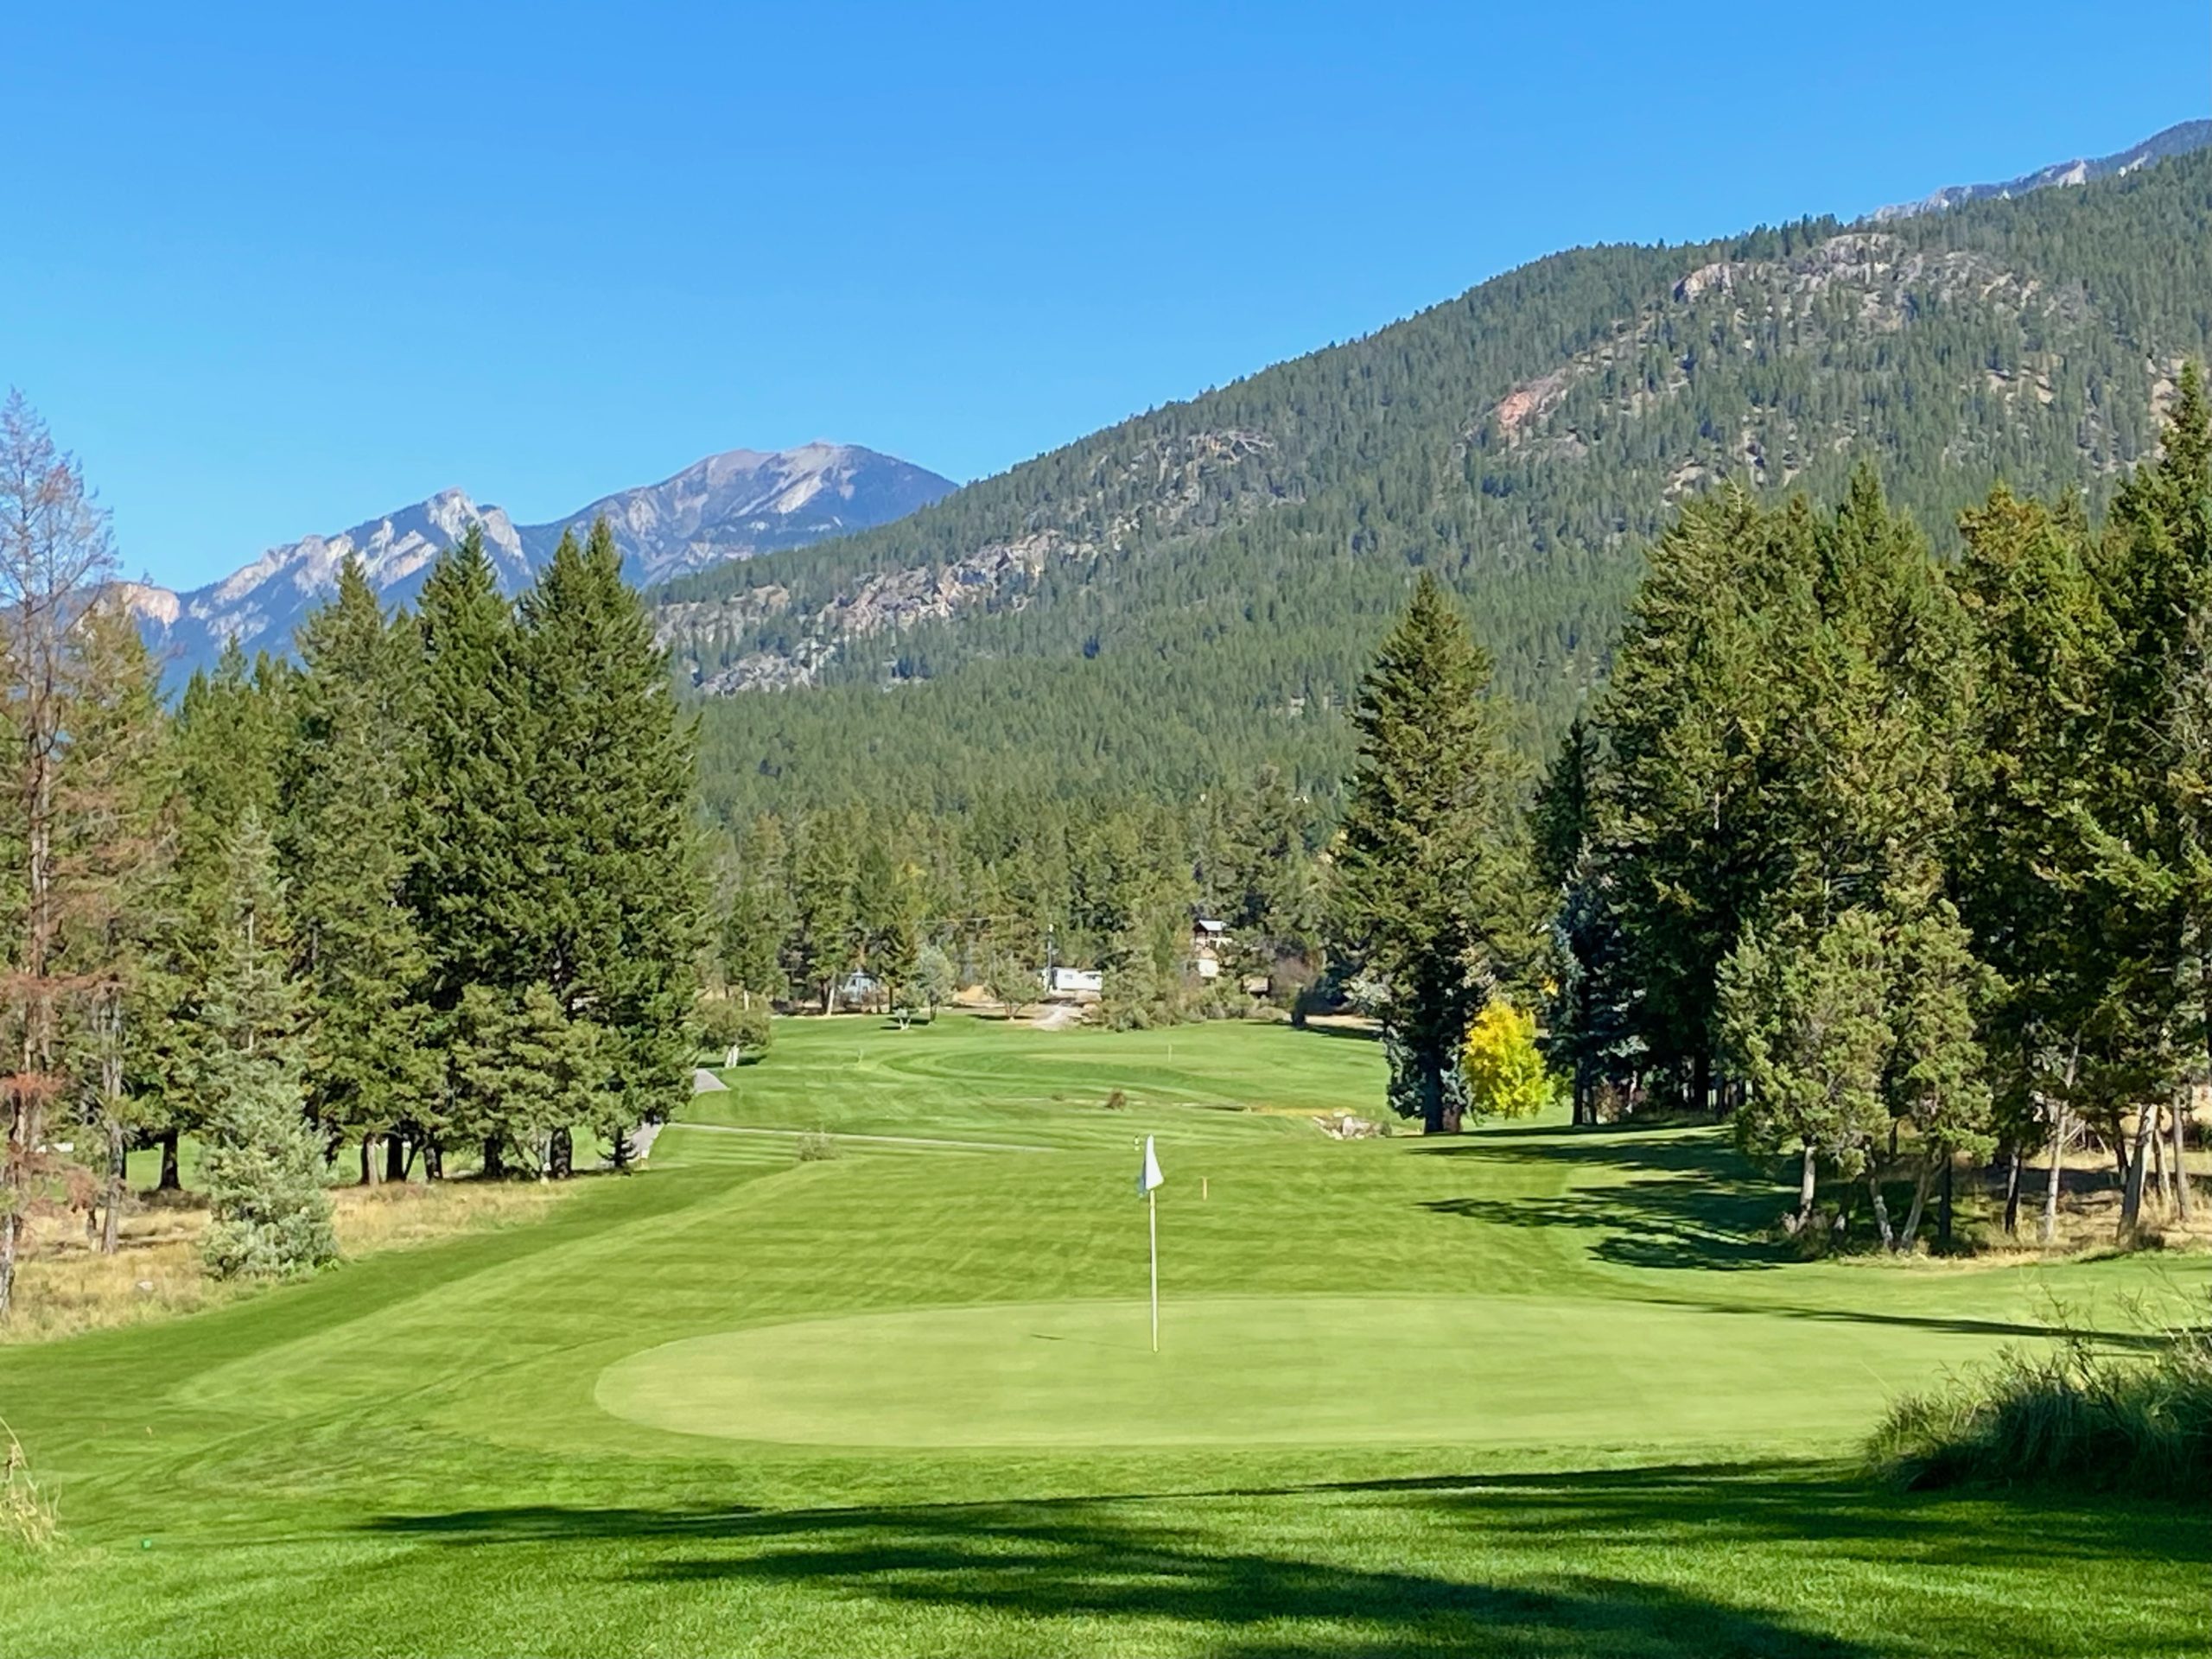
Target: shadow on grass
(1682, 1199)
(1584, 1563)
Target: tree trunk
(2050, 1186)
(118, 1149)
(1807, 1179)
(495, 1158)
(1911, 1233)
(2011, 1190)
(171, 1181)
(434, 1162)
(1943, 1210)
(398, 1155)
(2130, 1199)
(1881, 1207)
(2159, 1157)
(2182, 1205)
(560, 1154)
(370, 1171)
(1701, 1080)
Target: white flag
(1149, 1176)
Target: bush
(2074, 1415)
(728, 1027)
(815, 1148)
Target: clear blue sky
(271, 269)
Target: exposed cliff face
(1829, 309)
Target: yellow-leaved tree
(1505, 1071)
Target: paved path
(879, 1140)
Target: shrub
(816, 1147)
(1117, 1102)
(2073, 1416)
(733, 1030)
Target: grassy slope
(410, 1454)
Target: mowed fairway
(1532, 1391)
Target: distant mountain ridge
(2177, 140)
(1177, 599)
(732, 505)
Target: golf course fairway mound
(1278, 1370)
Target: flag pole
(1151, 1225)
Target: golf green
(1282, 1371)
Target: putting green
(1285, 1371)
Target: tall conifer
(1432, 890)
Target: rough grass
(411, 1453)
(66, 1287)
(2075, 1414)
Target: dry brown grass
(65, 1286)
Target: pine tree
(2157, 579)
(115, 789)
(226, 742)
(267, 1214)
(2023, 865)
(822, 945)
(752, 944)
(523, 1074)
(470, 884)
(1432, 893)
(1937, 1071)
(348, 842)
(72, 687)
(1808, 1017)
(617, 915)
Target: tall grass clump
(2073, 1415)
(27, 1516)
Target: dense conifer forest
(1190, 595)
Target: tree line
(435, 889)
(1856, 841)
(916, 904)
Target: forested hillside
(1172, 602)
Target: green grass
(1535, 1391)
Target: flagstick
(1152, 1225)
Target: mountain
(1163, 605)
(2177, 140)
(734, 505)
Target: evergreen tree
(114, 847)
(752, 942)
(1432, 887)
(522, 1073)
(349, 840)
(2149, 812)
(226, 742)
(1808, 1017)
(822, 945)
(1937, 1071)
(267, 1214)
(617, 913)
(2023, 865)
(469, 884)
